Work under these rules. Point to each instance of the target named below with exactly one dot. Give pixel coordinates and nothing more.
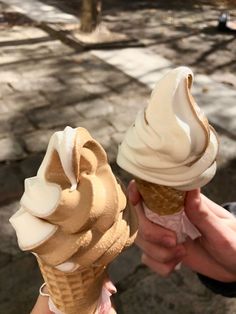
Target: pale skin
(41, 306)
(213, 254)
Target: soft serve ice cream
(170, 149)
(171, 142)
(73, 216)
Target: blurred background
(93, 64)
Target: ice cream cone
(74, 292)
(171, 148)
(74, 218)
(162, 200)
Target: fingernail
(168, 242)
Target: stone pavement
(46, 85)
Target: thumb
(133, 194)
(148, 230)
(192, 202)
(200, 214)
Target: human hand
(213, 254)
(160, 250)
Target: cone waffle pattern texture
(77, 292)
(163, 200)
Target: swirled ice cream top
(171, 142)
(72, 211)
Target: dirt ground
(183, 31)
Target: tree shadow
(210, 44)
(123, 5)
(215, 47)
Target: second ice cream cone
(75, 292)
(162, 200)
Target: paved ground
(47, 84)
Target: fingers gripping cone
(165, 206)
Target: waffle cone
(163, 200)
(75, 292)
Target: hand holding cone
(170, 149)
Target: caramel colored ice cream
(74, 218)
